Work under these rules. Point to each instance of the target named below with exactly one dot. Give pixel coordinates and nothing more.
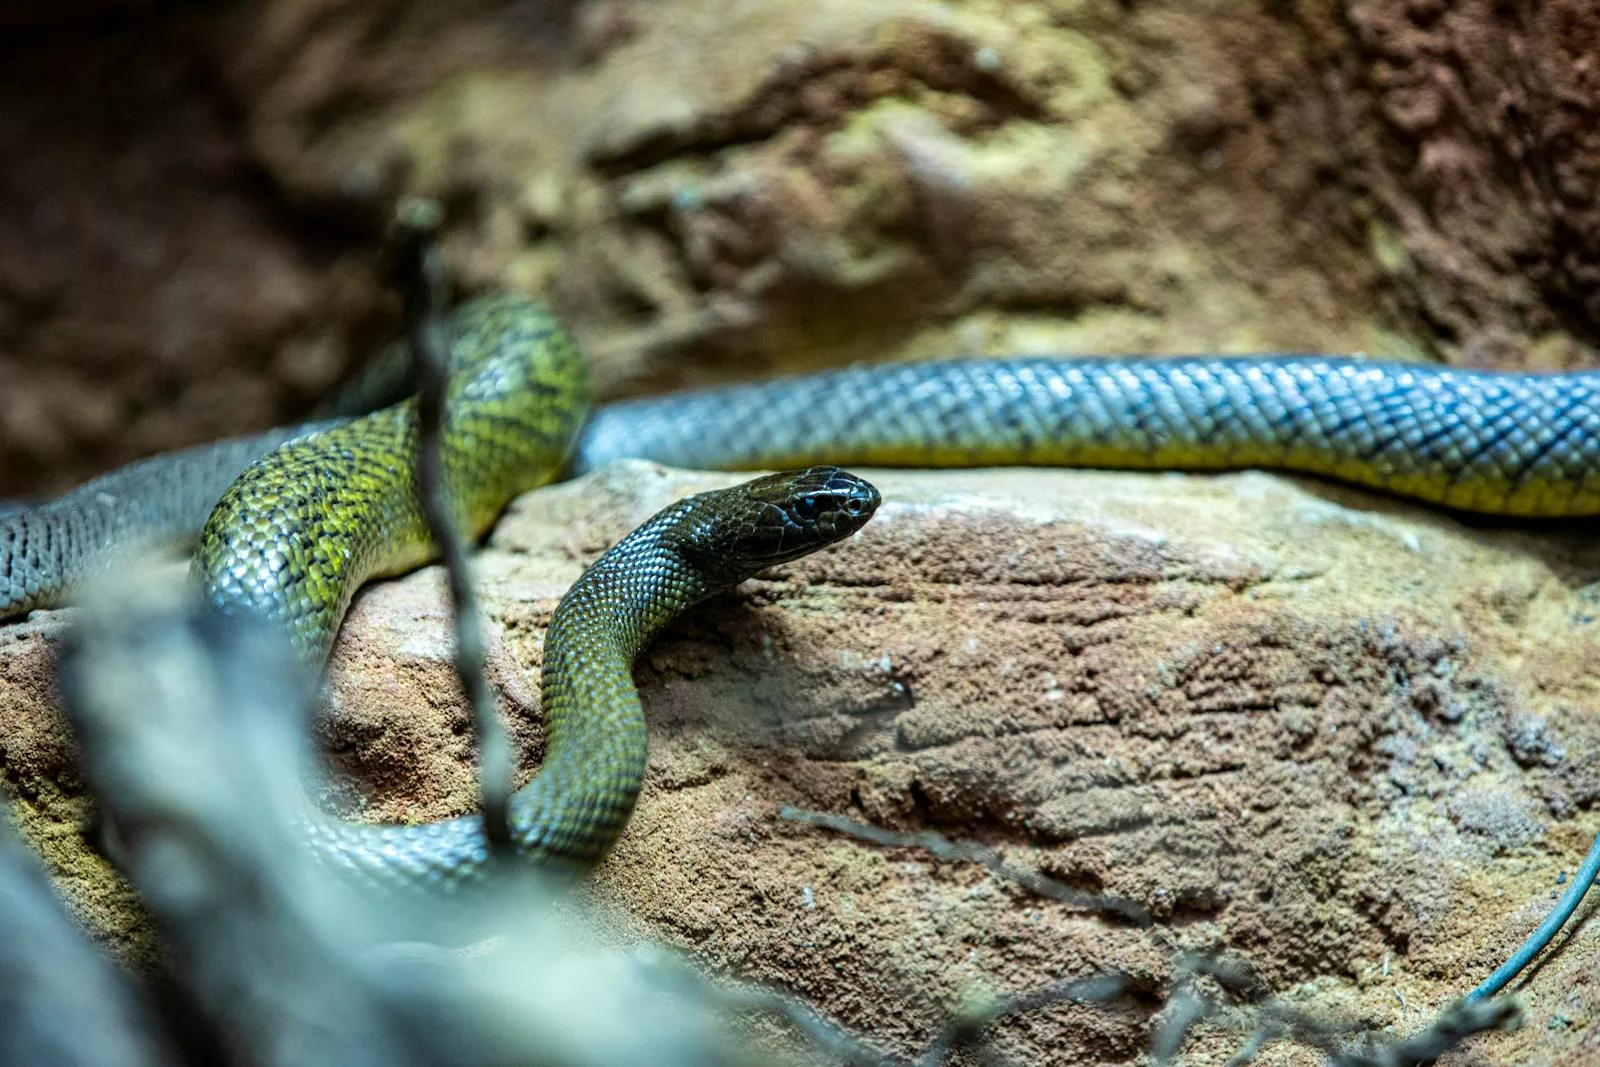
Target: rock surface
(716, 188)
(1347, 740)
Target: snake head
(784, 516)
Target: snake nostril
(863, 501)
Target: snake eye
(807, 506)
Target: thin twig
(418, 222)
(1264, 1034)
(1231, 974)
(1186, 1009)
(822, 1033)
(946, 849)
(1453, 1025)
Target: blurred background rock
(710, 189)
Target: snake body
(1492, 442)
(595, 750)
(50, 549)
(299, 531)
(295, 534)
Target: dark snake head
(781, 517)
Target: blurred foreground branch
(49, 973)
(191, 740)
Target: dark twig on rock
(958, 851)
(1456, 1023)
(418, 224)
(967, 1028)
(1184, 1008)
(1264, 1034)
(823, 1034)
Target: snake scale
(321, 508)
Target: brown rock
(711, 189)
(1344, 739)
(149, 296)
(1474, 123)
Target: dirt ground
(1349, 741)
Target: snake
(291, 522)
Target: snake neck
(602, 624)
(596, 745)
(596, 749)
(622, 601)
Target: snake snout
(862, 499)
(834, 502)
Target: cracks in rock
(782, 101)
(710, 217)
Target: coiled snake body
(298, 531)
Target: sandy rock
(711, 189)
(1349, 741)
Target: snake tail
(301, 529)
(594, 764)
(1499, 443)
